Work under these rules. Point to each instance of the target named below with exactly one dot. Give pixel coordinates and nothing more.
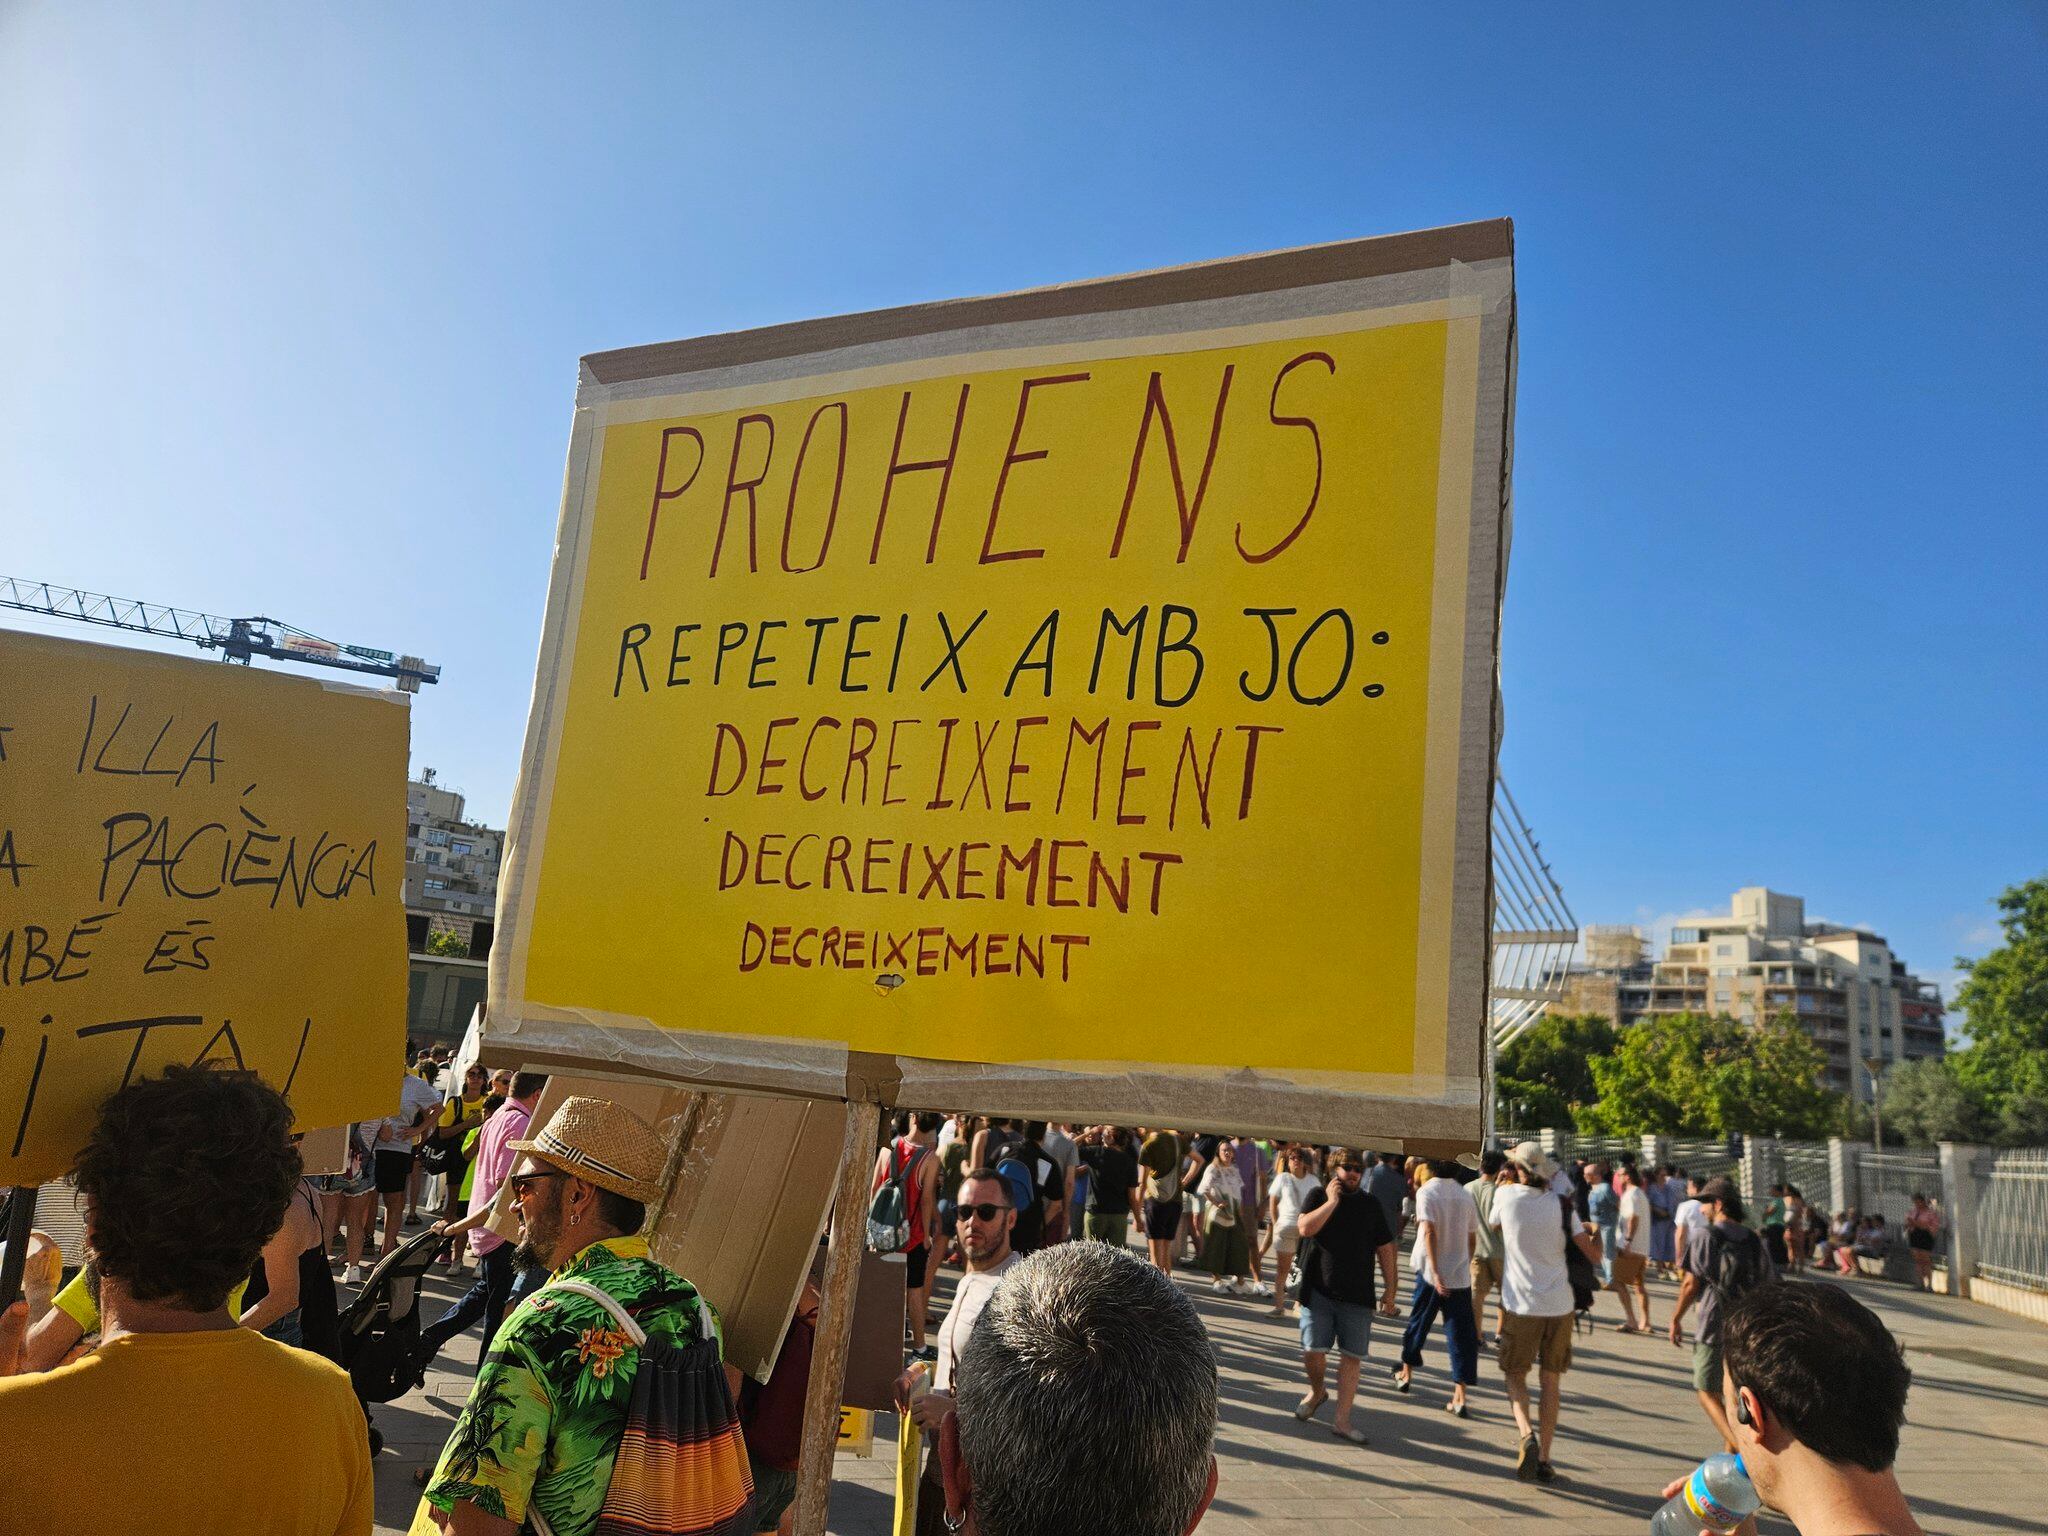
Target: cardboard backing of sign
(198, 862)
(749, 1187)
(1078, 702)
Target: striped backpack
(682, 1464)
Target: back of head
(527, 1085)
(1034, 1130)
(1088, 1360)
(1822, 1363)
(1491, 1161)
(185, 1178)
(929, 1121)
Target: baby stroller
(381, 1328)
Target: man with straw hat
(541, 1429)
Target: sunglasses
(522, 1183)
(983, 1212)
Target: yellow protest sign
(197, 861)
(1093, 689)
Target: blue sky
(293, 298)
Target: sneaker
(353, 1275)
(1216, 1286)
(1260, 1288)
(1527, 1462)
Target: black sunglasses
(984, 1211)
(522, 1182)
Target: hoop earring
(953, 1522)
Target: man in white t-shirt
(986, 1219)
(1632, 1251)
(1535, 1297)
(1691, 1214)
(1446, 1236)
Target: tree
(441, 942)
(1691, 1074)
(1926, 1101)
(2004, 999)
(1547, 1071)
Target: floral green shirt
(542, 1425)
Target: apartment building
(1843, 985)
(451, 864)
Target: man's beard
(543, 1230)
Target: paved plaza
(1974, 1458)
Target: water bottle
(1717, 1497)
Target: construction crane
(236, 639)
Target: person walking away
(1486, 1256)
(910, 1156)
(1689, 1214)
(1226, 1242)
(1815, 1387)
(1664, 1193)
(290, 1295)
(772, 1412)
(1337, 1295)
(539, 1437)
(1774, 1225)
(1159, 1155)
(497, 1267)
(1603, 1209)
(1113, 1180)
(1536, 1300)
(176, 1214)
(348, 1199)
(987, 1220)
(1084, 1359)
(1795, 1229)
(1059, 1146)
(1385, 1182)
(1200, 1153)
(1923, 1227)
(1722, 1261)
(461, 1115)
(1446, 1237)
(397, 1141)
(1289, 1191)
(1632, 1252)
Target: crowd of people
(209, 1248)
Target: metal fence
(1804, 1165)
(1887, 1181)
(1707, 1159)
(2012, 1217)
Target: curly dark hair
(187, 1175)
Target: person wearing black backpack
(1722, 1260)
(1020, 1157)
(910, 1162)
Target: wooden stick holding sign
(21, 1220)
(835, 1319)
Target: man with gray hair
(1089, 1360)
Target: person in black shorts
(1159, 1159)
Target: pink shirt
(494, 1159)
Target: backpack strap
(706, 1321)
(619, 1314)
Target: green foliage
(2004, 998)
(1926, 1101)
(1546, 1074)
(440, 942)
(1692, 1074)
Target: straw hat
(1530, 1155)
(605, 1144)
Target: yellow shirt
(222, 1432)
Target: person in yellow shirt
(184, 1178)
